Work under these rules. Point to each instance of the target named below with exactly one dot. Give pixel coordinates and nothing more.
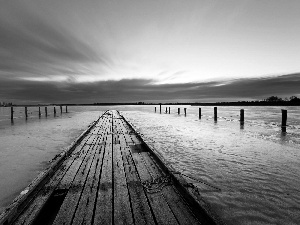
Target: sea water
(248, 173)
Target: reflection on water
(242, 125)
(249, 173)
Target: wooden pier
(109, 175)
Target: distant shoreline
(248, 104)
(261, 103)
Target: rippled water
(248, 174)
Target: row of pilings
(39, 112)
(242, 117)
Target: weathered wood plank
(104, 204)
(178, 206)
(160, 207)
(85, 209)
(140, 206)
(122, 209)
(78, 159)
(68, 207)
(28, 215)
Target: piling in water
(12, 113)
(166, 109)
(46, 112)
(178, 111)
(155, 109)
(66, 109)
(215, 113)
(169, 110)
(242, 115)
(60, 109)
(26, 113)
(184, 111)
(39, 111)
(160, 108)
(54, 109)
(284, 119)
(199, 113)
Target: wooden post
(159, 107)
(60, 109)
(155, 109)
(215, 113)
(185, 111)
(199, 113)
(178, 111)
(26, 113)
(66, 108)
(242, 116)
(284, 119)
(39, 111)
(12, 113)
(169, 110)
(166, 109)
(54, 109)
(46, 113)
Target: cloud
(34, 44)
(133, 90)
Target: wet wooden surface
(110, 178)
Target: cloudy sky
(89, 51)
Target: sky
(74, 51)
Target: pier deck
(110, 177)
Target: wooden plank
(178, 206)
(68, 207)
(140, 207)
(28, 215)
(160, 207)
(78, 159)
(122, 209)
(104, 202)
(85, 209)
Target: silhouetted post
(60, 109)
(155, 109)
(26, 113)
(199, 113)
(215, 113)
(54, 109)
(284, 119)
(169, 110)
(178, 111)
(184, 111)
(12, 113)
(242, 115)
(160, 108)
(66, 109)
(39, 111)
(46, 113)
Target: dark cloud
(31, 43)
(143, 90)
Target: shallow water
(248, 174)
